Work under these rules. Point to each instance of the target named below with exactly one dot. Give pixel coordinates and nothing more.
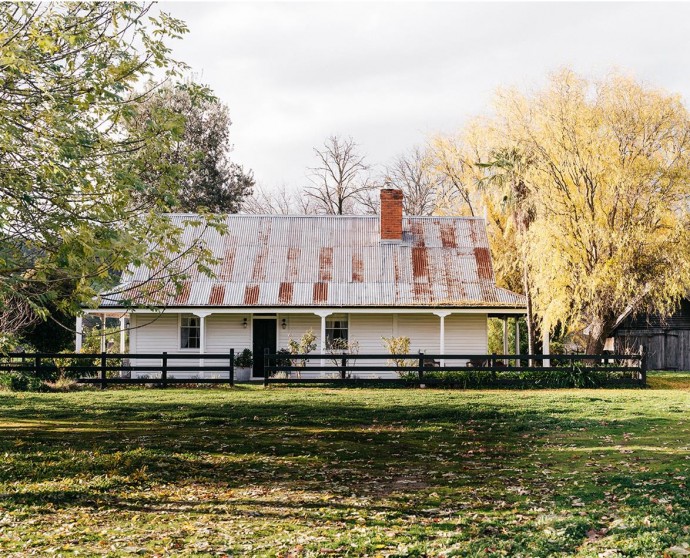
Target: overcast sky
(390, 74)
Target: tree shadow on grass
(312, 443)
(295, 457)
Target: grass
(324, 472)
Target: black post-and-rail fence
(426, 369)
(104, 369)
(96, 367)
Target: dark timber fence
(425, 369)
(105, 369)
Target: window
(190, 332)
(336, 328)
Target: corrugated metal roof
(278, 260)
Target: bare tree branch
(340, 178)
(278, 201)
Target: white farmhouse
(359, 278)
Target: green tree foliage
(71, 163)
(201, 145)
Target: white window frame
(179, 332)
(342, 317)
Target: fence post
(103, 370)
(266, 365)
(420, 367)
(343, 364)
(232, 367)
(493, 366)
(643, 365)
(37, 366)
(164, 369)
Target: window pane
(190, 332)
(336, 327)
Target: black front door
(264, 338)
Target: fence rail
(415, 367)
(40, 363)
(282, 368)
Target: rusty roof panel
(420, 264)
(182, 295)
(340, 260)
(217, 295)
(357, 267)
(292, 267)
(320, 293)
(422, 292)
(251, 295)
(227, 263)
(258, 271)
(285, 293)
(326, 263)
(448, 235)
(482, 257)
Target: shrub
(304, 346)
(67, 367)
(92, 340)
(469, 378)
(398, 346)
(335, 347)
(62, 385)
(11, 343)
(21, 381)
(284, 358)
(245, 359)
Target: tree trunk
(599, 330)
(529, 318)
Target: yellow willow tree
(609, 183)
(481, 171)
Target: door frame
(262, 317)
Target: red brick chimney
(391, 214)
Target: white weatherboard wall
(161, 333)
(424, 331)
(152, 334)
(296, 326)
(367, 330)
(225, 332)
(465, 334)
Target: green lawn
(327, 472)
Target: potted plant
(243, 366)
